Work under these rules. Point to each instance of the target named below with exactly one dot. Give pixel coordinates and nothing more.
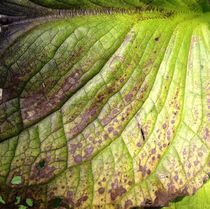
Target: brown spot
(164, 197)
(153, 151)
(205, 178)
(110, 129)
(100, 97)
(74, 147)
(148, 202)
(207, 134)
(115, 133)
(101, 190)
(138, 144)
(117, 190)
(78, 159)
(143, 170)
(105, 136)
(157, 39)
(173, 121)
(164, 126)
(81, 201)
(130, 183)
(128, 97)
(128, 204)
(148, 171)
(122, 80)
(88, 151)
(176, 178)
(41, 174)
(196, 162)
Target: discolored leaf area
(105, 104)
(198, 201)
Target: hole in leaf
(16, 180)
(41, 164)
(178, 199)
(57, 202)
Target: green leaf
(18, 199)
(29, 202)
(22, 207)
(2, 200)
(16, 180)
(104, 108)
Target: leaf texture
(106, 110)
(198, 201)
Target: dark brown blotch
(116, 190)
(101, 190)
(81, 200)
(157, 39)
(128, 204)
(42, 170)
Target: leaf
(16, 180)
(2, 200)
(22, 207)
(101, 4)
(18, 200)
(105, 108)
(29, 202)
(200, 200)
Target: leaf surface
(198, 201)
(107, 109)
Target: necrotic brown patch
(42, 170)
(116, 190)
